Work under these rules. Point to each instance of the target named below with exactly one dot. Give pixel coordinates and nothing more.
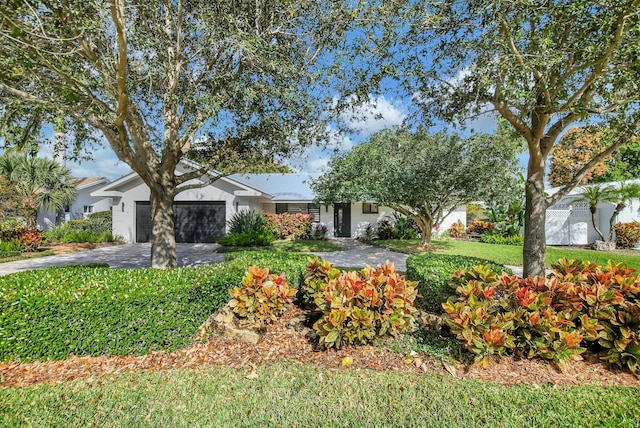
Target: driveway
(357, 254)
(119, 256)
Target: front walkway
(357, 254)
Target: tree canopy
(424, 176)
(153, 77)
(542, 65)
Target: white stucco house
(84, 204)
(201, 214)
(568, 222)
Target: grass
(511, 254)
(26, 256)
(298, 246)
(301, 396)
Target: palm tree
(44, 181)
(594, 195)
(624, 194)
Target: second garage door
(194, 221)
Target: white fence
(568, 224)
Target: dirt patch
(74, 247)
(280, 343)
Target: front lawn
(26, 256)
(292, 395)
(510, 254)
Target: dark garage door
(194, 221)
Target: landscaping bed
(281, 344)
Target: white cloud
(104, 164)
(376, 114)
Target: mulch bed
(74, 247)
(282, 344)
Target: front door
(342, 220)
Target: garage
(195, 221)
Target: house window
(369, 208)
(88, 209)
(313, 209)
(67, 209)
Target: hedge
(433, 272)
(49, 313)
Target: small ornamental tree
(423, 176)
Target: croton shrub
(285, 225)
(262, 297)
(457, 230)
(16, 231)
(480, 227)
(578, 306)
(627, 234)
(358, 307)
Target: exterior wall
(124, 208)
(47, 219)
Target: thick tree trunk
(163, 239)
(535, 251)
(425, 226)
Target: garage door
(194, 221)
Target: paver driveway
(119, 256)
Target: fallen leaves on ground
(280, 344)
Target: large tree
(543, 65)
(155, 77)
(424, 176)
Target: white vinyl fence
(568, 224)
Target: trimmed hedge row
(49, 313)
(434, 271)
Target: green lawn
(301, 396)
(298, 246)
(512, 254)
(25, 256)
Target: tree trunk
(612, 220)
(535, 251)
(593, 210)
(163, 239)
(425, 226)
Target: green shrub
(627, 234)
(480, 227)
(95, 228)
(262, 296)
(248, 239)
(404, 227)
(434, 271)
(47, 314)
(292, 264)
(10, 248)
(384, 229)
(358, 307)
(457, 230)
(247, 221)
(494, 238)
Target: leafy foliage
(385, 229)
(550, 317)
(457, 230)
(248, 239)
(242, 77)
(627, 234)
(577, 147)
(91, 310)
(287, 225)
(359, 306)
(247, 221)
(433, 273)
(493, 238)
(261, 297)
(318, 274)
(95, 228)
(480, 227)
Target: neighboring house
(84, 204)
(569, 221)
(201, 214)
